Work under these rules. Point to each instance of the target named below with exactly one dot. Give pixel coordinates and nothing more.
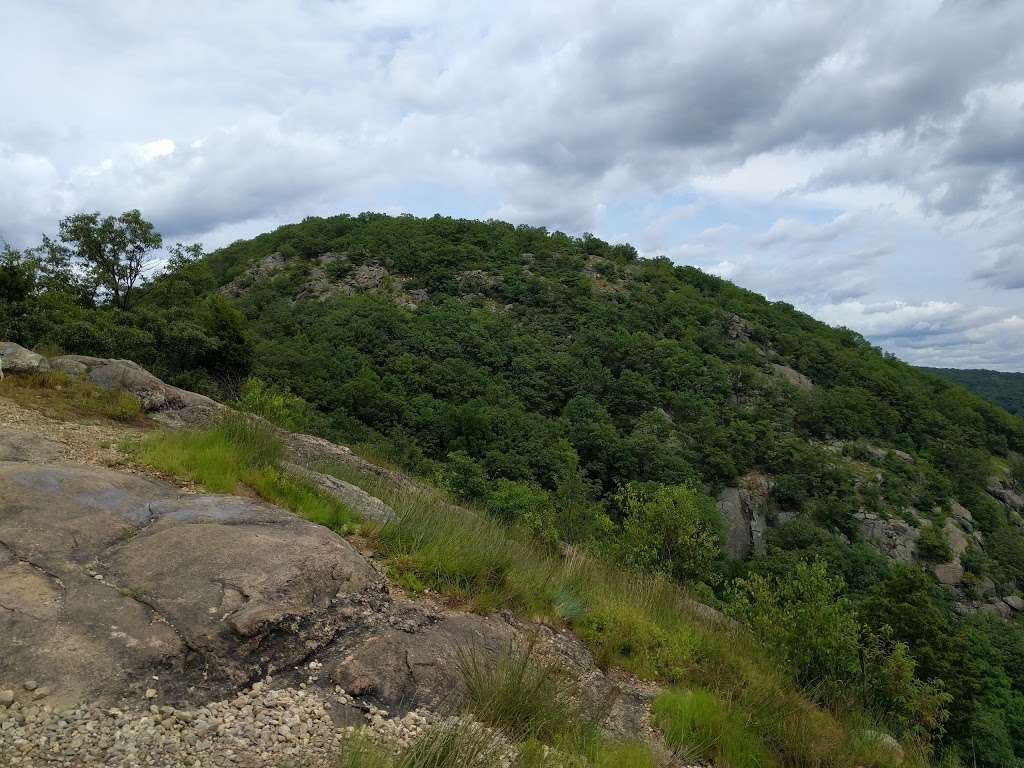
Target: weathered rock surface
(14, 358)
(895, 538)
(367, 506)
(15, 447)
(792, 376)
(107, 579)
(950, 574)
(745, 510)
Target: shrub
(524, 504)
(672, 528)
(932, 546)
(1007, 549)
(464, 477)
(803, 618)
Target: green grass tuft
(526, 697)
(454, 743)
(699, 727)
(235, 455)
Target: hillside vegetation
(1003, 388)
(586, 397)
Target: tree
(111, 253)
(17, 275)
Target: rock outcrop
(171, 403)
(107, 579)
(894, 538)
(792, 376)
(745, 510)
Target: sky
(863, 161)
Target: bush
(523, 504)
(672, 528)
(1007, 549)
(932, 546)
(464, 477)
(804, 618)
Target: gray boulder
(949, 574)
(14, 358)
(744, 511)
(894, 538)
(153, 394)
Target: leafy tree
(932, 545)
(109, 255)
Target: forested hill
(1002, 388)
(594, 397)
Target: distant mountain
(1002, 388)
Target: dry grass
(70, 398)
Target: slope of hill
(865, 510)
(1003, 388)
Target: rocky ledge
(140, 625)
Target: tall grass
(699, 727)
(239, 455)
(642, 623)
(453, 743)
(526, 697)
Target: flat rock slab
(108, 579)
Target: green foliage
(700, 727)
(1007, 548)
(524, 504)
(932, 545)
(672, 528)
(105, 257)
(805, 618)
(1004, 389)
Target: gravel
(259, 727)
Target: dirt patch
(69, 441)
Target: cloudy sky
(861, 160)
